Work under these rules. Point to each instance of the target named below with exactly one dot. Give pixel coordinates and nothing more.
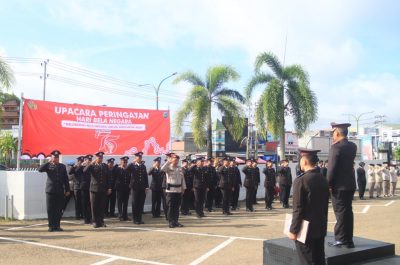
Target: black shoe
(177, 224)
(96, 226)
(87, 222)
(121, 219)
(171, 225)
(58, 229)
(112, 215)
(51, 229)
(184, 213)
(248, 210)
(229, 213)
(104, 225)
(341, 244)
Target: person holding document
(310, 203)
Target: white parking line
(82, 251)
(105, 261)
(366, 208)
(389, 203)
(189, 233)
(21, 227)
(212, 251)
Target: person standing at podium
(310, 203)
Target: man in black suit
(341, 179)
(361, 180)
(310, 203)
(77, 179)
(100, 187)
(285, 182)
(139, 186)
(85, 186)
(226, 184)
(156, 187)
(112, 198)
(200, 185)
(57, 187)
(250, 175)
(269, 184)
(237, 184)
(122, 180)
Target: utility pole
(357, 118)
(44, 77)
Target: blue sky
(350, 48)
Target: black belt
(175, 185)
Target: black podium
(282, 251)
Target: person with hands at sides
(57, 188)
(200, 185)
(156, 187)
(226, 184)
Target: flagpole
(21, 109)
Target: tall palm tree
(286, 93)
(6, 75)
(207, 93)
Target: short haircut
(343, 131)
(312, 159)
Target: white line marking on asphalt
(105, 261)
(389, 203)
(82, 251)
(189, 233)
(366, 208)
(212, 251)
(21, 227)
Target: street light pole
(358, 117)
(157, 89)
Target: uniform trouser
(210, 198)
(86, 208)
(269, 196)
(173, 202)
(361, 189)
(156, 202)
(393, 187)
(255, 195)
(235, 196)
(378, 188)
(67, 199)
(123, 198)
(342, 207)
(164, 203)
(386, 187)
(249, 197)
(226, 199)
(218, 197)
(78, 203)
(192, 201)
(312, 252)
(284, 194)
(98, 200)
(110, 203)
(186, 201)
(138, 198)
(371, 188)
(55, 203)
(199, 196)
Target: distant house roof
(11, 103)
(218, 126)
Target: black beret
(305, 152)
(139, 154)
(340, 125)
(111, 160)
(124, 158)
(157, 159)
(55, 153)
(99, 154)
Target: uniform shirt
(57, 178)
(174, 176)
(99, 177)
(361, 175)
(85, 181)
(122, 178)
(139, 177)
(371, 175)
(237, 178)
(285, 176)
(258, 177)
(340, 167)
(213, 176)
(385, 174)
(378, 175)
(250, 175)
(226, 178)
(270, 177)
(188, 178)
(200, 177)
(156, 178)
(78, 175)
(310, 202)
(393, 175)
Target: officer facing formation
(57, 187)
(100, 187)
(342, 181)
(139, 186)
(310, 203)
(122, 180)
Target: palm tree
(286, 93)
(6, 75)
(8, 145)
(207, 93)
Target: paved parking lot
(215, 239)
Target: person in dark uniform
(257, 180)
(218, 193)
(325, 169)
(285, 182)
(77, 179)
(341, 179)
(85, 186)
(237, 184)
(269, 184)
(100, 187)
(71, 193)
(156, 187)
(139, 186)
(57, 187)
(361, 180)
(175, 187)
(310, 203)
(111, 199)
(249, 183)
(200, 186)
(164, 193)
(226, 184)
(121, 186)
(187, 195)
(212, 174)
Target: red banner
(75, 129)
